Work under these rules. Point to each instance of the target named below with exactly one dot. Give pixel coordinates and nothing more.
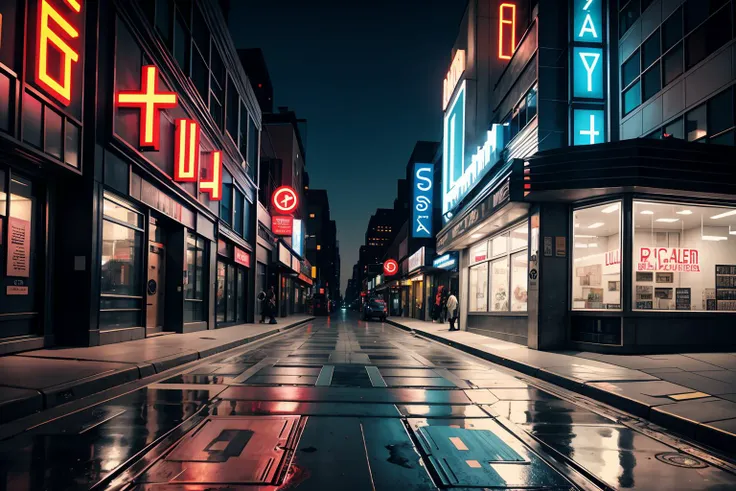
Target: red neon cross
(150, 102)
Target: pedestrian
(437, 306)
(264, 306)
(271, 299)
(443, 306)
(452, 312)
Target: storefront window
(478, 301)
(684, 257)
(479, 252)
(519, 267)
(194, 284)
(120, 286)
(499, 245)
(221, 303)
(596, 256)
(500, 285)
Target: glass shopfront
(684, 257)
(232, 285)
(498, 272)
(596, 257)
(195, 285)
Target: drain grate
(681, 460)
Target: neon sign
(422, 202)
(390, 267)
(51, 35)
(453, 77)
(186, 151)
(213, 185)
(506, 30)
(588, 77)
(150, 102)
(284, 199)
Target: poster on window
(19, 247)
(668, 259)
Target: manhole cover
(681, 460)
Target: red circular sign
(285, 199)
(390, 267)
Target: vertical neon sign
(186, 151)
(588, 73)
(52, 25)
(506, 30)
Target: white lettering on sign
(592, 132)
(590, 66)
(453, 77)
(668, 259)
(484, 158)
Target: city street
(343, 404)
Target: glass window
(632, 98)
(231, 111)
(238, 215)
(252, 156)
(672, 30)
(221, 301)
(240, 300)
(519, 274)
(650, 50)
(519, 237)
(243, 137)
(695, 124)
(200, 74)
(499, 245)
(194, 282)
(500, 285)
(726, 138)
(121, 213)
(628, 16)
(121, 259)
(478, 300)
(675, 129)
(684, 257)
(182, 43)
(226, 203)
(479, 252)
(630, 70)
(672, 65)
(720, 112)
(652, 82)
(246, 220)
(230, 293)
(163, 19)
(596, 257)
(696, 48)
(531, 103)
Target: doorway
(156, 281)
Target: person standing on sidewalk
(443, 306)
(271, 301)
(452, 312)
(264, 306)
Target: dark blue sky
(367, 76)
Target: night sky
(368, 79)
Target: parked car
(375, 308)
(321, 305)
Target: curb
(24, 402)
(700, 432)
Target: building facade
(130, 170)
(552, 173)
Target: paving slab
(16, 403)
(699, 382)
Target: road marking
(458, 443)
(266, 362)
(688, 395)
(473, 464)
(375, 375)
(325, 376)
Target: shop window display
(478, 301)
(684, 257)
(596, 255)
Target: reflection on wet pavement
(349, 405)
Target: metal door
(155, 289)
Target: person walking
(452, 312)
(264, 306)
(271, 300)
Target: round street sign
(390, 267)
(285, 199)
(533, 274)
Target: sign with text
(668, 259)
(416, 260)
(19, 247)
(242, 257)
(454, 148)
(297, 237)
(446, 261)
(421, 210)
(588, 73)
(453, 77)
(282, 226)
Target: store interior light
(577, 225)
(586, 236)
(731, 232)
(476, 236)
(581, 246)
(714, 238)
(610, 209)
(724, 215)
(668, 220)
(647, 212)
(593, 245)
(685, 212)
(597, 225)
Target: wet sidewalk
(693, 394)
(43, 379)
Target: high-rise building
(321, 244)
(587, 173)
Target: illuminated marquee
(422, 201)
(186, 151)
(588, 75)
(213, 185)
(506, 30)
(453, 77)
(150, 102)
(285, 199)
(390, 267)
(53, 27)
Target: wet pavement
(344, 404)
